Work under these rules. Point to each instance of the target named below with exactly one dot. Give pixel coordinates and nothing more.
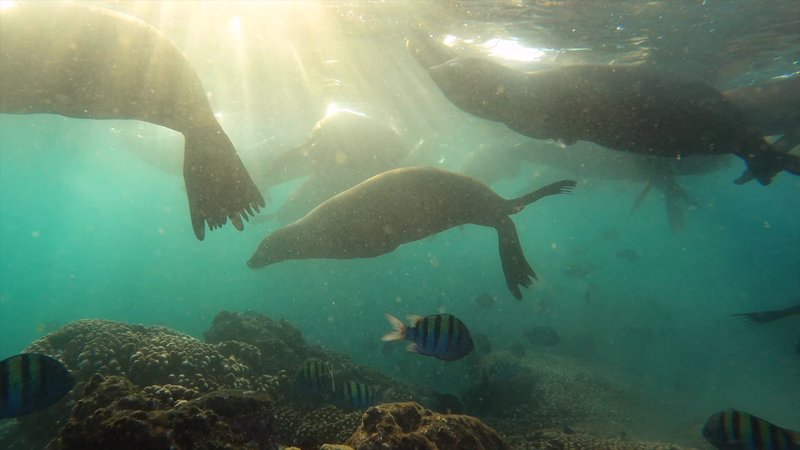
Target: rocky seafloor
(142, 387)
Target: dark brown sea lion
(629, 108)
(401, 206)
(774, 107)
(92, 63)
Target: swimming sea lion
(629, 108)
(773, 107)
(401, 206)
(92, 63)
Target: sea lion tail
(515, 267)
(764, 165)
(559, 187)
(217, 183)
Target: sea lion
(86, 62)
(772, 106)
(344, 148)
(401, 206)
(629, 108)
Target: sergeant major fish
(354, 395)
(442, 336)
(314, 378)
(31, 382)
(736, 430)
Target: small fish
(769, 316)
(485, 300)
(31, 382)
(354, 395)
(628, 254)
(314, 378)
(543, 336)
(736, 430)
(442, 336)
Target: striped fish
(736, 430)
(442, 336)
(353, 395)
(30, 382)
(314, 378)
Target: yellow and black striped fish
(30, 382)
(442, 336)
(354, 395)
(314, 378)
(737, 430)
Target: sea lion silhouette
(86, 62)
(630, 108)
(401, 206)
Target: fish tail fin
(765, 164)
(217, 183)
(412, 347)
(559, 187)
(398, 332)
(516, 269)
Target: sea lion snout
(261, 257)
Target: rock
(410, 426)
(114, 413)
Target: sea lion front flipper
(640, 198)
(515, 267)
(217, 183)
(559, 187)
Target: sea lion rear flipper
(640, 198)
(787, 142)
(515, 267)
(765, 164)
(217, 183)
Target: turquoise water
(88, 229)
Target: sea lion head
(478, 86)
(281, 245)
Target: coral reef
(542, 390)
(144, 355)
(151, 387)
(569, 439)
(280, 344)
(114, 413)
(152, 355)
(410, 426)
(309, 428)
